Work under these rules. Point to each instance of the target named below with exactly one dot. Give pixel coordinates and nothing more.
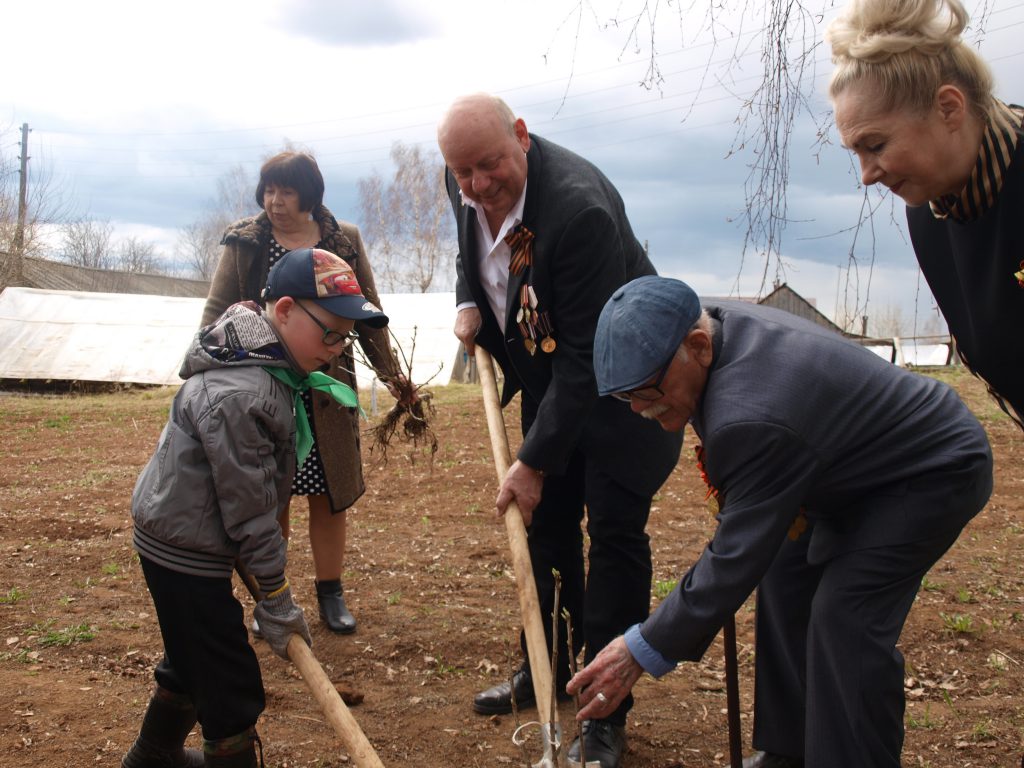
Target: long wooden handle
(529, 604)
(359, 748)
(732, 693)
(326, 695)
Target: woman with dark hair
(915, 103)
(290, 192)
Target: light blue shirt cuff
(653, 662)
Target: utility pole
(14, 275)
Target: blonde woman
(915, 103)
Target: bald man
(543, 242)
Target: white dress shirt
(493, 256)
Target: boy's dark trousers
(207, 655)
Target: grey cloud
(364, 24)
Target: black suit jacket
(970, 267)
(583, 249)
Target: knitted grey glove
(280, 618)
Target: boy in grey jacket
(210, 496)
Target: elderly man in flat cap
(840, 479)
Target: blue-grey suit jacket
(794, 416)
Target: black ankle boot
(333, 611)
(234, 752)
(161, 742)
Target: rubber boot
(333, 611)
(237, 751)
(161, 742)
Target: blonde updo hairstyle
(905, 50)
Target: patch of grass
(930, 586)
(983, 731)
(664, 587)
(94, 477)
(924, 721)
(964, 596)
(63, 637)
(443, 668)
(119, 624)
(13, 596)
(996, 661)
(111, 569)
(62, 421)
(958, 623)
(23, 656)
(949, 703)
(394, 598)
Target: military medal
(548, 343)
(520, 243)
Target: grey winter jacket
(224, 463)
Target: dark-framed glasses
(648, 392)
(331, 337)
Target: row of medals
(533, 323)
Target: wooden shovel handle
(529, 604)
(359, 748)
(326, 695)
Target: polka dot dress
(311, 479)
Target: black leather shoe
(498, 700)
(333, 611)
(769, 760)
(603, 742)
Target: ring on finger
(601, 697)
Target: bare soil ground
(429, 579)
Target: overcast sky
(137, 108)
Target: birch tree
(407, 223)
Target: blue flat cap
(640, 328)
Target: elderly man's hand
(522, 484)
(605, 681)
(467, 325)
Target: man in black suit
(840, 480)
(543, 242)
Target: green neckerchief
(341, 392)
